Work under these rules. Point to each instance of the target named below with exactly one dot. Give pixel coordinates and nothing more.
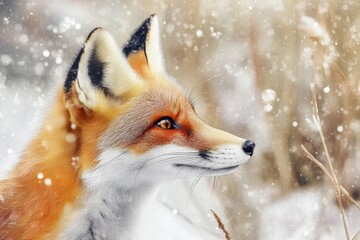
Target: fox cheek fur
(120, 125)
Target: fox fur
(119, 126)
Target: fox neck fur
(108, 214)
(44, 181)
(103, 212)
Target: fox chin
(118, 127)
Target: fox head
(135, 123)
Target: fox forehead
(139, 113)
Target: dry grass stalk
(323, 168)
(221, 225)
(316, 119)
(327, 69)
(356, 236)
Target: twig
(221, 225)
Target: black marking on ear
(72, 74)
(138, 39)
(91, 33)
(95, 69)
(96, 72)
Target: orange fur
(139, 63)
(30, 208)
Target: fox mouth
(206, 168)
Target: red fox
(119, 126)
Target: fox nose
(249, 147)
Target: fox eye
(166, 123)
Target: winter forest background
(283, 73)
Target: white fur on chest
(108, 214)
(115, 189)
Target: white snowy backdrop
(252, 63)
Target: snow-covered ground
(306, 214)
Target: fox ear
(143, 50)
(100, 70)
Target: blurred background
(252, 64)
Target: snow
(70, 138)
(46, 53)
(199, 33)
(40, 176)
(326, 89)
(268, 95)
(6, 60)
(340, 128)
(268, 108)
(211, 45)
(47, 181)
(305, 214)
